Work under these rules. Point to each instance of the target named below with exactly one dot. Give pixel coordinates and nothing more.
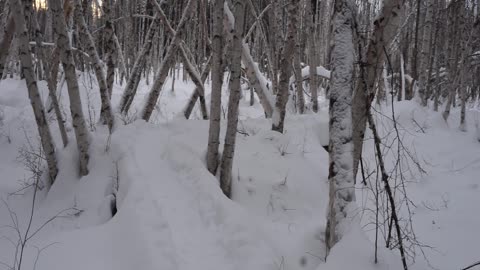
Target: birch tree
(234, 99)
(33, 93)
(340, 177)
(217, 81)
(254, 76)
(385, 27)
(66, 56)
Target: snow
(172, 214)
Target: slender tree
(66, 56)
(217, 81)
(234, 99)
(33, 93)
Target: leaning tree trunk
(385, 28)
(254, 76)
(52, 91)
(189, 67)
(234, 99)
(33, 93)
(78, 120)
(340, 175)
(196, 94)
(165, 65)
(279, 112)
(135, 74)
(106, 115)
(51, 71)
(217, 81)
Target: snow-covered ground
(172, 214)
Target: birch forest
(239, 134)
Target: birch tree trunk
(165, 65)
(33, 93)
(254, 76)
(234, 99)
(340, 175)
(66, 56)
(52, 91)
(106, 115)
(278, 118)
(217, 81)
(385, 28)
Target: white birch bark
(52, 91)
(340, 175)
(33, 93)
(254, 76)
(217, 82)
(385, 28)
(66, 56)
(233, 101)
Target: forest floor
(172, 214)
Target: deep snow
(172, 214)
